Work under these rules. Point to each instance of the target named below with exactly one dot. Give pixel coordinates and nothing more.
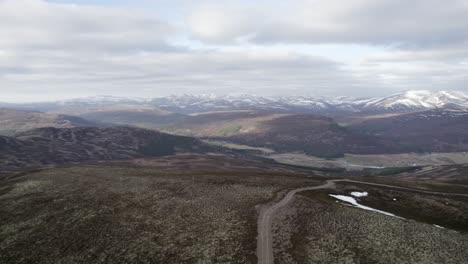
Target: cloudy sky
(65, 48)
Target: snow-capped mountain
(406, 101)
(415, 100)
(104, 99)
(203, 103)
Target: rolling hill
(413, 121)
(220, 123)
(12, 121)
(438, 130)
(140, 117)
(50, 146)
(314, 135)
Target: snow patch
(353, 201)
(359, 194)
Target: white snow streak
(353, 201)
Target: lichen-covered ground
(316, 229)
(134, 214)
(203, 209)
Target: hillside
(426, 131)
(221, 123)
(141, 117)
(435, 130)
(12, 121)
(314, 135)
(49, 146)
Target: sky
(62, 49)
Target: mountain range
(414, 121)
(402, 102)
(415, 100)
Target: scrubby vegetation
(51, 146)
(447, 211)
(315, 230)
(135, 214)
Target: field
(167, 210)
(238, 146)
(360, 162)
(408, 159)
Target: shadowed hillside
(428, 131)
(315, 135)
(48, 146)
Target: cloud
(223, 21)
(409, 24)
(36, 24)
(157, 73)
(423, 42)
(56, 50)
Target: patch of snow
(438, 226)
(359, 194)
(353, 201)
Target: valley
(171, 180)
(233, 132)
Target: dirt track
(265, 240)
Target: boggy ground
(317, 229)
(137, 212)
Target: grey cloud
(397, 23)
(50, 51)
(36, 24)
(159, 73)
